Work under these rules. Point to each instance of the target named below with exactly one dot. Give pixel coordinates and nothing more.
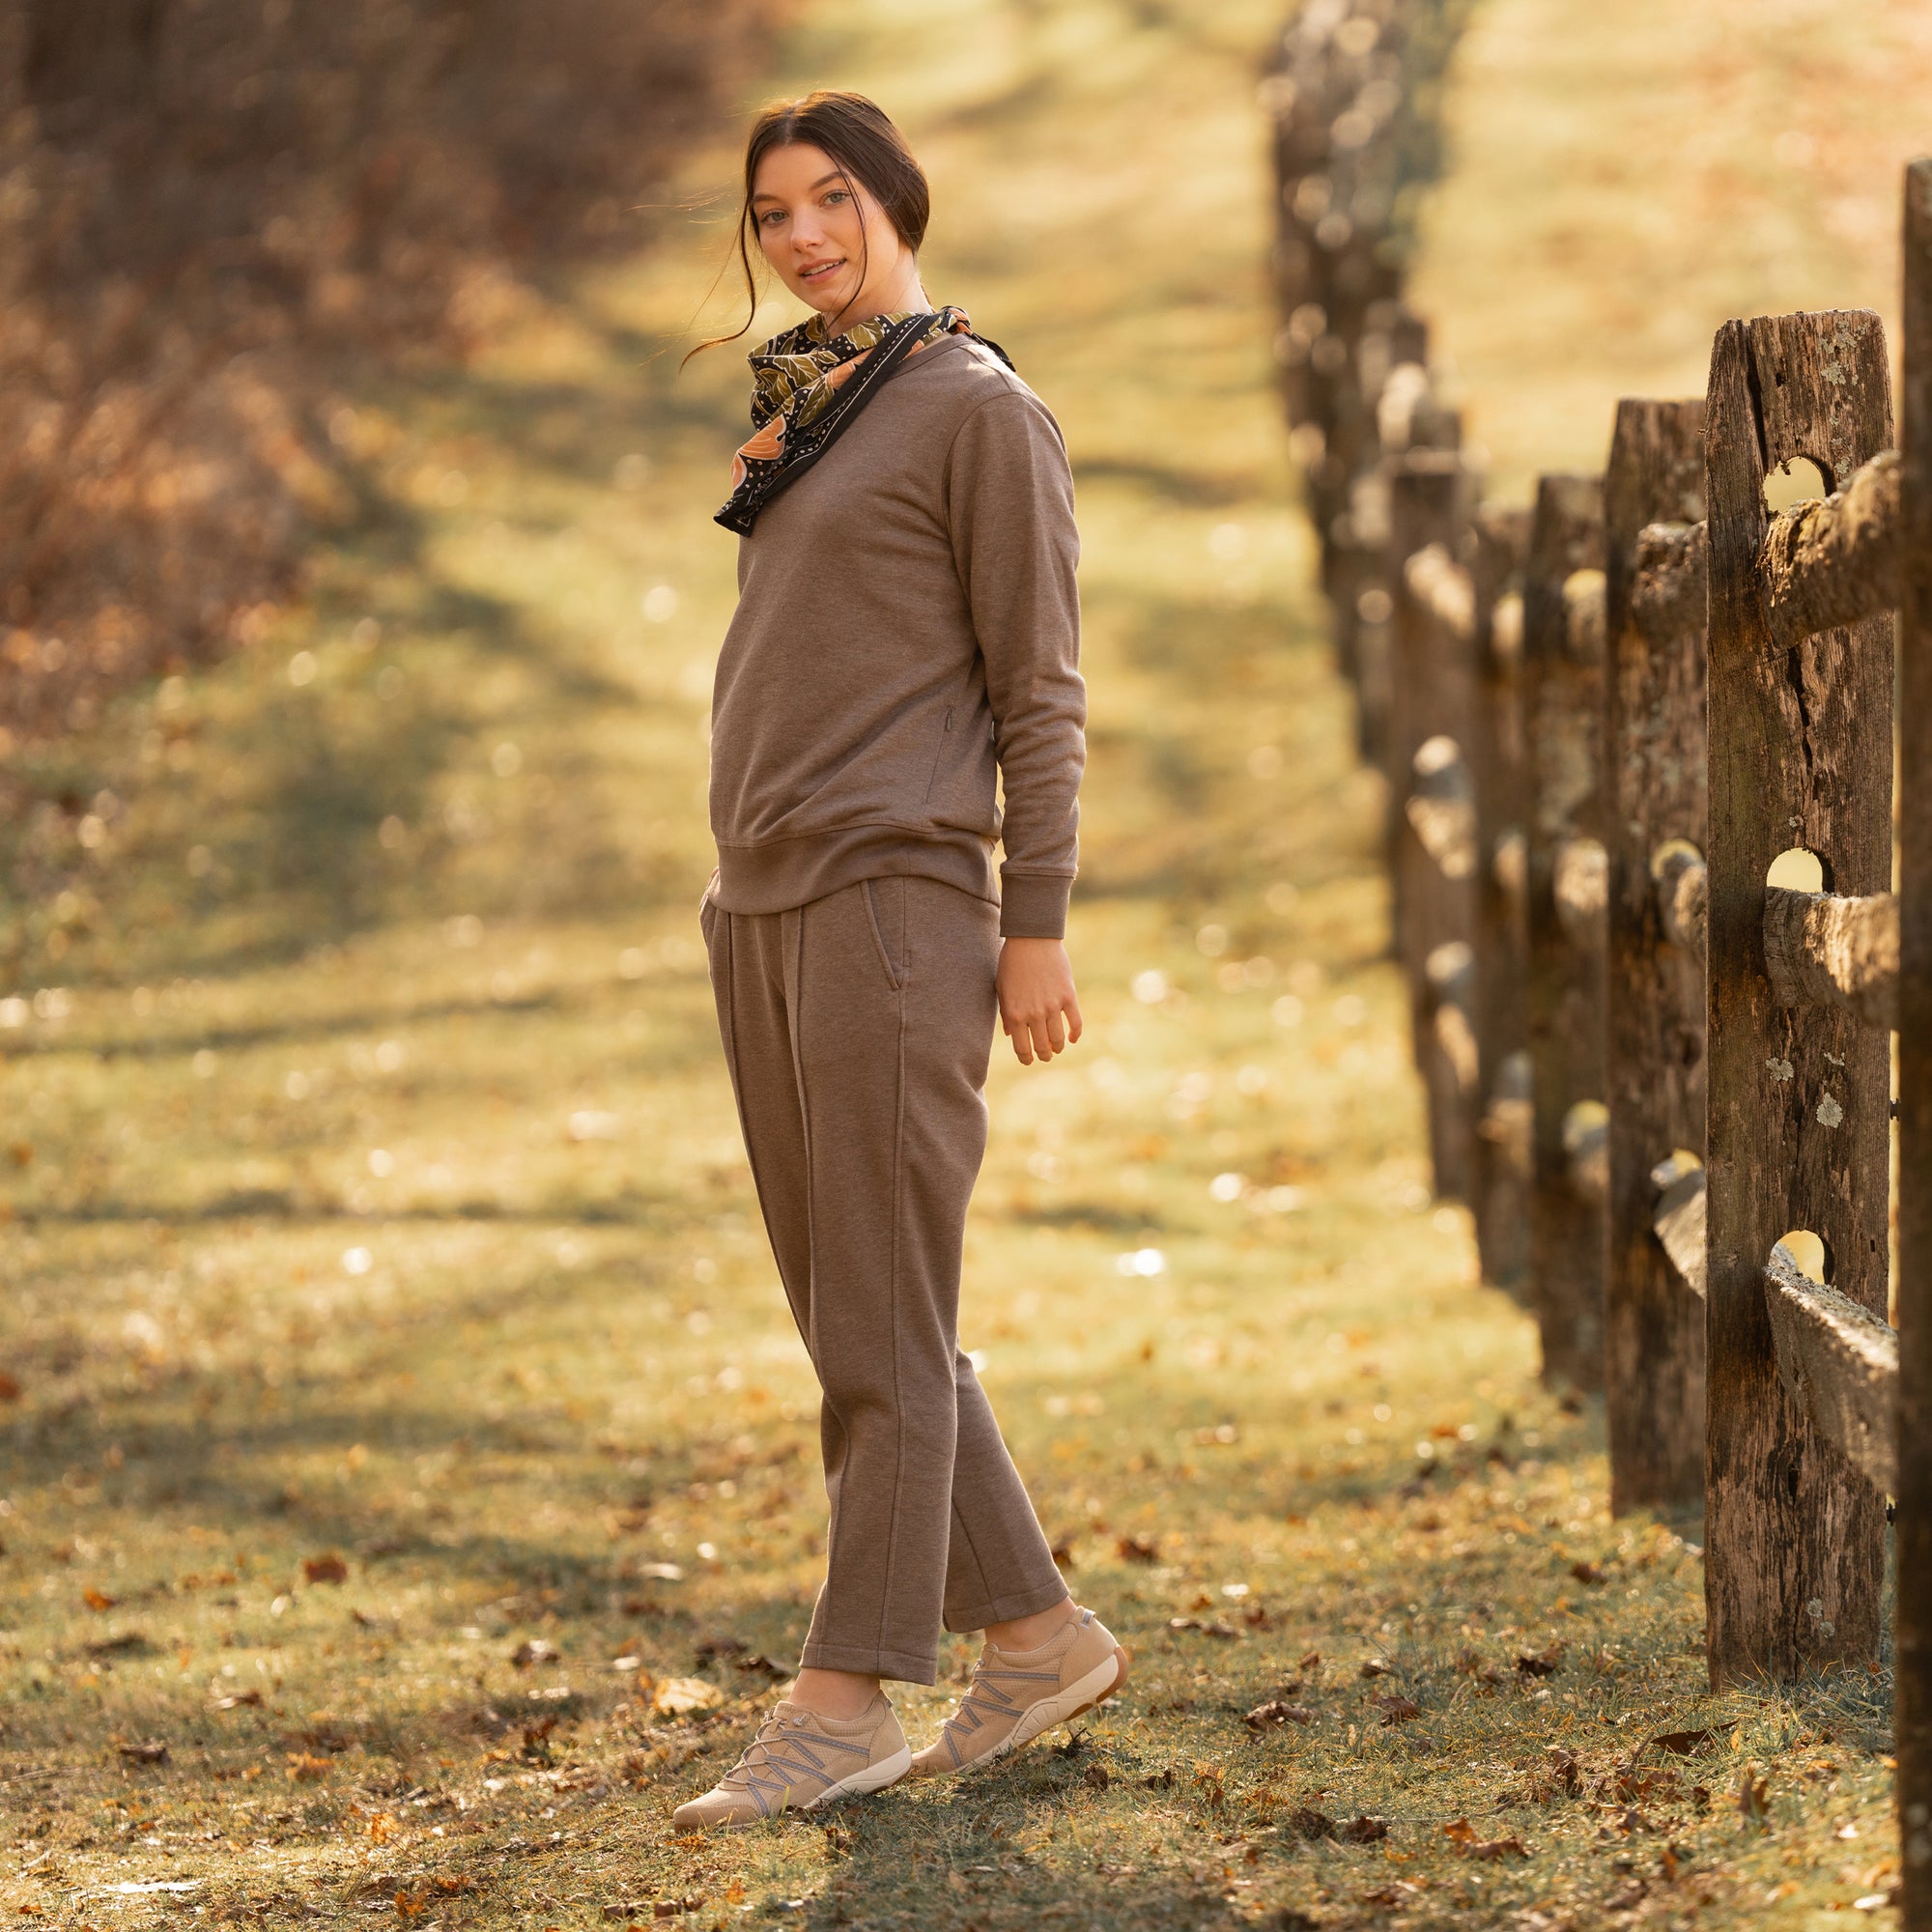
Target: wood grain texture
(1655, 822)
(1800, 754)
(1433, 693)
(1683, 884)
(1495, 546)
(1839, 1363)
(1672, 565)
(1834, 560)
(1678, 1225)
(1562, 701)
(1824, 950)
(1914, 1619)
(1436, 579)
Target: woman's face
(817, 226)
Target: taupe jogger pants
(857, 1029)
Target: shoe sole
(874, 1777)
(1082, 1694)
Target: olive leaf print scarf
(808, 390)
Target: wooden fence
(1639, 749)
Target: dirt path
(390, 1346)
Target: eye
(837, 194)
(770, 215)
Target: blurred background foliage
(206, 206)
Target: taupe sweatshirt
(908, 629)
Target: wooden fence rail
(1660, 1075)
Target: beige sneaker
(1018, 1693)
(802, 1760)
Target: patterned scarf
(808, 390)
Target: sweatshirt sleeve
(1011, 501)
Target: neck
(906, 293)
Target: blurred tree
(206, 205)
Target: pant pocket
(893, 973)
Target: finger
(1056, 1031)
(1043, 1044)
(1022, 1046)
(1072, 1019)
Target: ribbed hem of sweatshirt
(790, 872)
(1032, 905)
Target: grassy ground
(403, 1432)
(1625, 179)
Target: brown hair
(868, 150)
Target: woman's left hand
(1040, 1012)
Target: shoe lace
(984, 1699)
(782, 1749)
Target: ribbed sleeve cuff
(1032, 905)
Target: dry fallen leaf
(1587, 1573)
(1376, 1666)
(1137, 1550)
(1365, 1831)
(234, 1699)
(98, 1600)
(1275, 1712)
(1305, 1822)
(123, 1640)
(327, 1568)
(1497, 1848)
(1686, 1744)
(534, 1650)
(1397, 1710)
(1753, 1796)
(152, 1751)
(1539, 1664)
(761, 1666)
(679, 1697)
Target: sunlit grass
(374, 1193)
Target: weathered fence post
(1562, 693)
(1800, 755)
(1502, 1161)
(1653, 1049)
(1430, 811)
(1914, 1674)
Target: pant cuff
(968, 1617)
(904, 1666)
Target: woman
(907, 629)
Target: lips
(820, 271)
